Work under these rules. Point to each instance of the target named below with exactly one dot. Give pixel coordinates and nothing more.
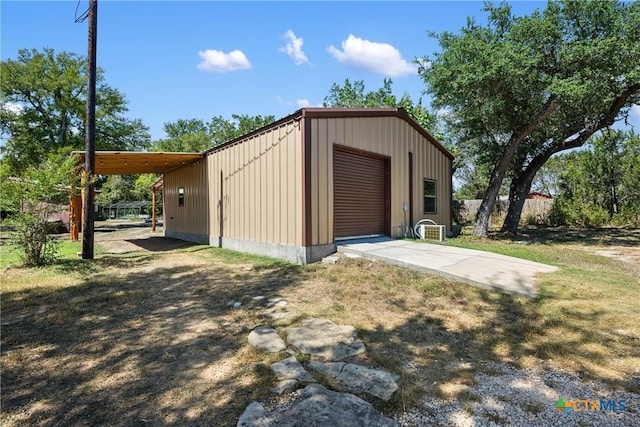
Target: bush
(576, 214)
(29, 198)
(32, 237)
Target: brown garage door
(359, 194)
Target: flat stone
(317, 406)
(266, 339)
(350, 255)
(322, 337)
(278, 302)
(254, 415)
(285, 386)
(331, 259)
(290, 368)
(277, 315)
(357, 378)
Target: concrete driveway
(483, 269)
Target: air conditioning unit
(432, 232)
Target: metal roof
(322, 112)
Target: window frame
(434, 197)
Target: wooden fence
(534, 210)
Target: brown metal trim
(410, 189)
(402, 113)
(387, 197)
(348, 149)
(329, 113)
(291, 117)
(375, 112)
(307, 223)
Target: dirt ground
(146, 338)
(617, 243)
(123, 237)
(148, 334)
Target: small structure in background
(535, 195)
(127, 210)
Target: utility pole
(90, 135)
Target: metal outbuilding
(292, 188)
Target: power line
(85, 14)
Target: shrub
(29, 199)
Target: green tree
(354, 95)
(601, 184)
(42, 99)
(141, 187)
(190, 135)
(223, 130)
(548, 177)
(194, 135)
(117, 188)
(523, 88)
(32, 199)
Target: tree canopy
(354, 95)
(195, 135)
(600, 184)
(43, 105)
(32, 200)
(520, 89)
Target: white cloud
(300, 102)
(12, 107)
(283, 101)
(378, 57)
(220, 62)
(634, 114)
(293, 48)
(443, 112)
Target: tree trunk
(518, 191)
(521, 183)
(490, 195)
(500, 169)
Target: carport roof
(133, 163)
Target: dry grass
(149, 337)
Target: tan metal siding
(387, 136)
(262, 190)
(193, 217)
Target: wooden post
(90, 134)
(153, 210)
(75, 211)
(82, 203)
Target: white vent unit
(427, 229)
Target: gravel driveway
(525, 397)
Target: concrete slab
(483, 269)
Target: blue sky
(202, 59)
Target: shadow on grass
(150, 347)
(609, 236)
(443, 363)
(161, 345)
(160, 244)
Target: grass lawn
(150, 338)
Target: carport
(127, 163)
